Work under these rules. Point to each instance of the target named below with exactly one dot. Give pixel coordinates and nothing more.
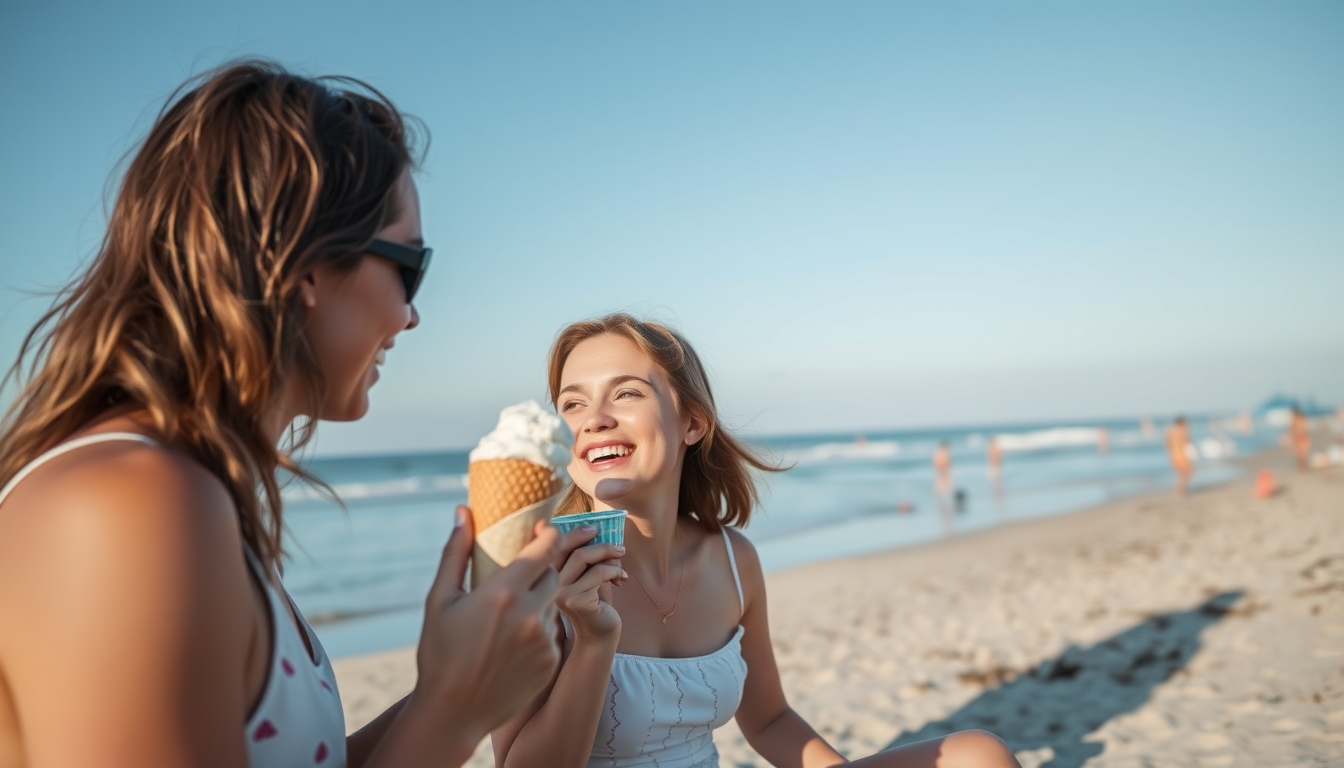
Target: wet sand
(1205, 631)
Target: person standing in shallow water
(654, 663)
(259, 265)
(1178, 453)
(942, 467)
(994, 460)
(1299, 438)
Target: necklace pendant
(668, 616)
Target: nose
(414, 319)
(598, 419)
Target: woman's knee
(976, 748)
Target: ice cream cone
(499, 487)
(515, 477)
(499, 544)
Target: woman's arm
(126, 611)
(767, 721)
(557, 730)
(784, 738)
(482, 656)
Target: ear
(308, 290)
(696, 427)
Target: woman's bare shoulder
(115, 558)
(748, 566)
(119, 517)
(744, 551)
(119, 483)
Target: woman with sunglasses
(259, 264)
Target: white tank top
(298, 720)
(662, 713)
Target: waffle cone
(499, 487)
(498, 545)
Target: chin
(345, 411)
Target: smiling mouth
(607, 453)
(381, 358)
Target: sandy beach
(1205, 631)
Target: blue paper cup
(610, 525)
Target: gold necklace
(666, 614)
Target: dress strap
(732, 563)
(66, 447)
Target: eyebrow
(614, 382)
(628, 377)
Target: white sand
(1151, 631)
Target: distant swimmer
(1246, 423)
(1103, 440)
(1147, 428)
(1178, 444)
(942, 488)
(994, 455)
(942, 464)
(1299, 437)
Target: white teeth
(381, 358)
(610, 450)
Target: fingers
(541, 597)
(453, 564)
(572, 541)
(597, 576)
(532, 561)
(584, 557)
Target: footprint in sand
(1209, 742)
(1285, 725)
(1217, 761)
(1248, 707)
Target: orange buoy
(1264, 485)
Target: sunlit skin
(613, 394)
(353, 319)
(1299, 437)
(132, 632)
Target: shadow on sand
(1059, 702)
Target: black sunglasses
(412, 262)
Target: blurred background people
(1299, 438)
(994, 456)
(1178, 451)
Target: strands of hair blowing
(249, 179)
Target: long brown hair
(249, 179)
(716, 484)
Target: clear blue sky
(865, 215)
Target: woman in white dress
(653, 663)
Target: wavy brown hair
(249, 179)
(716, 484)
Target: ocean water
(360, 574)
